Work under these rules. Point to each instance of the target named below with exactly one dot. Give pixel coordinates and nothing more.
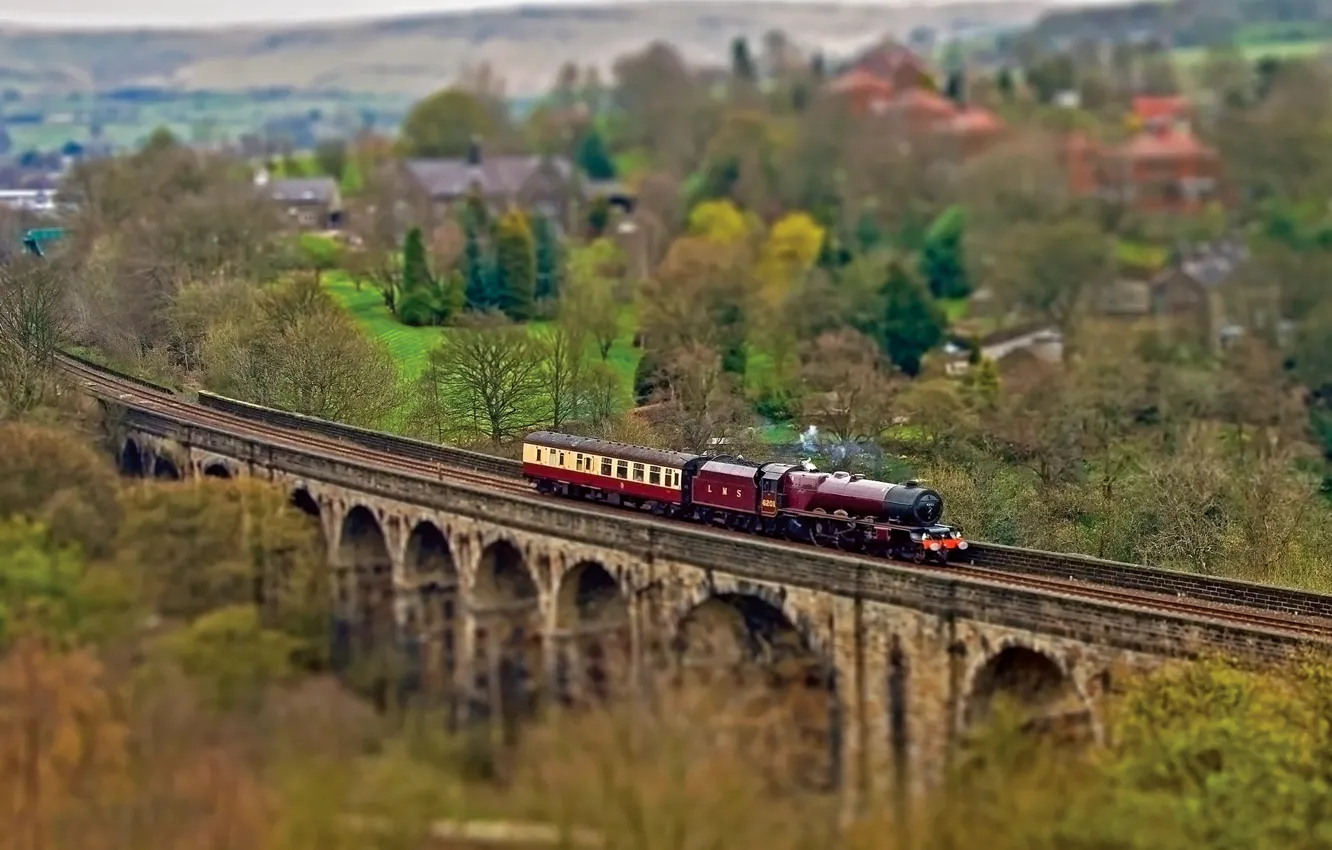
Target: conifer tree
(415, 302)
(477, 271)
(515, 265)
(910, 323)
(548, 259)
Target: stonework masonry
(499, 597)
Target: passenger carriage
(617, 473)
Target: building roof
(1157, 108)
(888, 57)
(310, 190)
(923, 101)
(861, 81)
(494, 175)
(974, 120)
(1211, 264)
(608, 448)
(1175, 143)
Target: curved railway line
(137, 393)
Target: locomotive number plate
(769, 504)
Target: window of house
(638, 472)
(622, 469)
(606, 466)
(654, 476)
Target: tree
(233, 655)
(593, 157)
(791, 249)
(62, 741)
(481, 283)
(1004, 82)
(909, 322)
(1049, 269)
(483, 381)
(549, 263)
(697, 299)
(213, 544)
(849, 387)
(565, 373)
(33, 326)
(942, 256)
(319, 254)
(719, 221)
(416, 303)
(53, 478)
(598, 216)
(447, 123)
(589, 301)
(515, 265)
(331, 157)
(305, 355)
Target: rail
(102, 367)
(990, 555)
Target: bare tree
(301, 353)
(484, 380)
(850, 387)
(565, 373)
(33, 326)
(701, 410)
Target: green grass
(1188, 57)
(410, 347)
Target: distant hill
(419, 54)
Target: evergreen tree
(742, 61)
(593, 157)
(868, 235)
(955, 89)
(910, 323)
(477, 272)
(515, 265)
(598, 217)
(941, 255)
(414, 303)
(1004, 82)
(549, 263)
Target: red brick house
(891, 83)
(1164, 168)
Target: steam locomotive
(794, 501)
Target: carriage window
(561, 458)
(538, 451)
(638, 472)
(578, 462)
(675, 479)
(606, 466)
(622, 469)
(654, 475)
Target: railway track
(137, 394)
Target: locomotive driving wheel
(918, 555)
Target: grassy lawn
(410, 347)
(1188, 57)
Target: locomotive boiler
(845, 494)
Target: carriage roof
(609, 448)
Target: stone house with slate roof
(544, 185)
(308, 203)
(1207, 295)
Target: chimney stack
(474, 151)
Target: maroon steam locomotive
(795, 501)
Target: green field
(410, 347)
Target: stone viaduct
(498, 596)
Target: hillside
(418, 54)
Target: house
(1161, 111)
(893, 84)
(1164, 169)
(309, 203)
(897, 65)
(548, 185)
(1209, 296)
